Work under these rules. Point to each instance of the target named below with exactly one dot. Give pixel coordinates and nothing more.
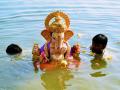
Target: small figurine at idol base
(56, 34)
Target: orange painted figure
(56, 51)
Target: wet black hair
(100, 39)
(13, 49)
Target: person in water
(99, 43)
(13, 49)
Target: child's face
(97, 48)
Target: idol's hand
(35, 49)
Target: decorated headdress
(60, 24)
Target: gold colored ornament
(57, 25)
(64, 63)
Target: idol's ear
(68, 34)
(46, 34)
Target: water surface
(21, 22)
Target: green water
(21, 22)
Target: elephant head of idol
(57, 28)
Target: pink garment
(44, 58)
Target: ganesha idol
(56, 34)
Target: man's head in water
(13, 49)
(99, 43)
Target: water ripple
(21, 22)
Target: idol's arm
(46, 50)
(67, 55)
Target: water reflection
(98, 62)
(56, 79)
(98, 74)
(55, 74)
